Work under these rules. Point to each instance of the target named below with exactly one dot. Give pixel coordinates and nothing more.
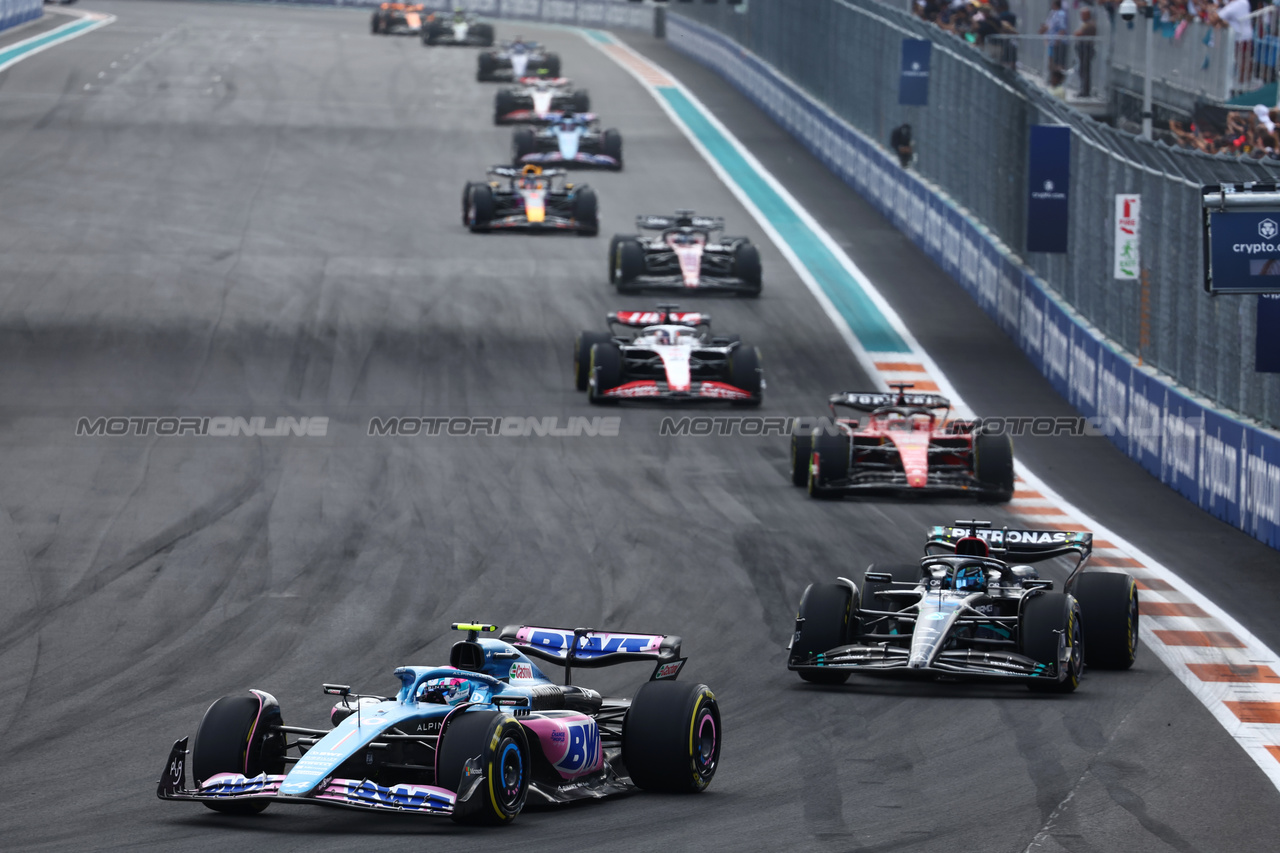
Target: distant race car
(473, 741)
(538, 100)
(516, 59)
(398, 19)
(684, 257)
(460, 28)
(671, 358)
(534, 199)
(972, 613)
(906, 445)
(573, 139)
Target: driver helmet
(662, 336)
(970, 578)
(445, 691)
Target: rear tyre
(801, 453)
(606, 368)
(1109, 604)
(581, 101)
(503, 103)
(552, 64)
(1048, 631)
(611, 145)
(230, 741)
(745, 373)
(500, 744)
(993, 465)
(485, 65)
(484, 34)
(431, 33)
(522, 143)
(671, 737)
(829, 622)
(746, 266)
(830, 462)
(582, 356)
(628, 262)
(479, 212)
(586, 212)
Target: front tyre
(1109, 603)
(1050, 633)
(993, 465)
(582, 356)
(497, 743)
(586, 212)
(606, 370)
(235, 736)
(611, 145)
(745, 373)
(671, 737)
(801, 454)
(627, 263)
(824, 621)
(830, 462)
(746, 266)
(478, 214)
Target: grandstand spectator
(1235, 14)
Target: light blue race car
(474, 740)
(573, 139)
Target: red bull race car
(533, 199)
(475, 740)
(906, 444)
(684, 256)
(539, 100)
(670, 357)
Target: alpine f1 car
(460, 29)
(539, 100)
(532, 201)
(516, 59)
(398, 19)
(671, 357)
(683, 256)
(906, 445)
(474, 740)
(972, 611)
(571, 140)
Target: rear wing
(681, 219)
(664, 315)
(589, 648)
(869, 401)
(1023, 545)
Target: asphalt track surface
(255, 212)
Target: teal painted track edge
(41, 41)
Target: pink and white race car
(672, 356)
(684, 257)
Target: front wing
(712, 283)
(603, 161)
(882, 481)
(967, 663)
(656, 389)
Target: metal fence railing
(972, 142)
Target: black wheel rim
(706, 744)
(510, 774)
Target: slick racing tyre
(606, 368)
(830, 463)
(671, 737)
(483, 34)
(552, 64)
(582, 356)
(581, 101)
(586, 212)
(613, 252)
(522, 143)
(479, 210)
(745, 373)
(230, 740)
(431, 33)
(1049, 630)
(485, 65)
(746, 266)
(627, 262)
(500, 744)
(829, 622)
(801, 453)
(611, 145)
(1109, 605)
(503, 103)
(993, 465)
(376, 26)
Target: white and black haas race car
(684, 256)
(516, 59)
(671, 357)
(539, 100)
(534, 199)
(973, 608)
(459, 29)
(572, 139)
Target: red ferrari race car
(906, 444)
(671, 357)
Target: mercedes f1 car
(672, 356)
(398, 19)
(573, 139)
(514, 60)
(460, 29)
(534, 200)
(474, 740)
(906, 445)
(539, 100)
(972, 611)
(683, 256)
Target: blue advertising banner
(1244, 251)
(1267, 343)
(913, 84)
(1048, 182)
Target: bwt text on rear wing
(585, 647)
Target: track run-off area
(231, 210)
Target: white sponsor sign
(1128, 208)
